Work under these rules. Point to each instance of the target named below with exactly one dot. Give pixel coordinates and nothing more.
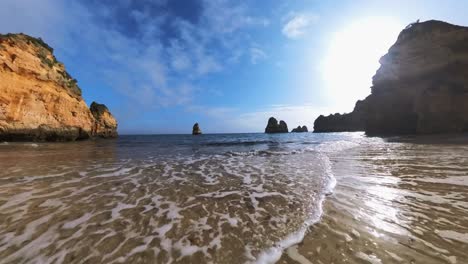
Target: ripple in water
(121, 202)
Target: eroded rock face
(105, 124)
(274, 127)
(196, 129)
(300, 129)
(39, 100)
(353, 121)
(420, 88)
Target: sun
(353, 58)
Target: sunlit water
(397, 200)
(230, 199)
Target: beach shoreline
(392, 206)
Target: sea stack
(105, 125)
(420, 88)
(39, 100)
(196, 130)
(300, 129)
(274, 127)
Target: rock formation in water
(196, 129)
(421, 86)
(300, 129)
(39, 100)
(274, 127)
(105, 124)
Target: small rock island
(40, 100)
(300, 129)
(421, 86)
(196, 130)
(273, 126)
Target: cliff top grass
(46, 54)
(98, 109)
(36, 41)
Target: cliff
(420, 88)
(39, 100)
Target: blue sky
(162, 65)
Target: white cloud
(180, 59)
(218, 113)
(257, 54)
(225, 17)
(298, 25)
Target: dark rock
(342, 122)
(300, 129)
(283, 127)
(274, 127)
(44, 133)
(196, 130)
(420, 87)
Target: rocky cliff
(353, 121)
(421, 86)
(39, 100)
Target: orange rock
(39, 100)
(105, 125)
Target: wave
(265, 153)
(273, 254)
(247, 197)
(242, 143)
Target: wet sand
(394, 203)
(59, 203)
(142, 200)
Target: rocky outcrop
(420, 88)
(342, 122)
(105, 125)
(196, 130)
(274, 127)
(300, 129)
(39, 100)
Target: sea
(232, 198)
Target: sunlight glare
(353, 58)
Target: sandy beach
(396, 203)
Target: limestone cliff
(39, 100)
(421, 86)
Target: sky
(162, 65)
